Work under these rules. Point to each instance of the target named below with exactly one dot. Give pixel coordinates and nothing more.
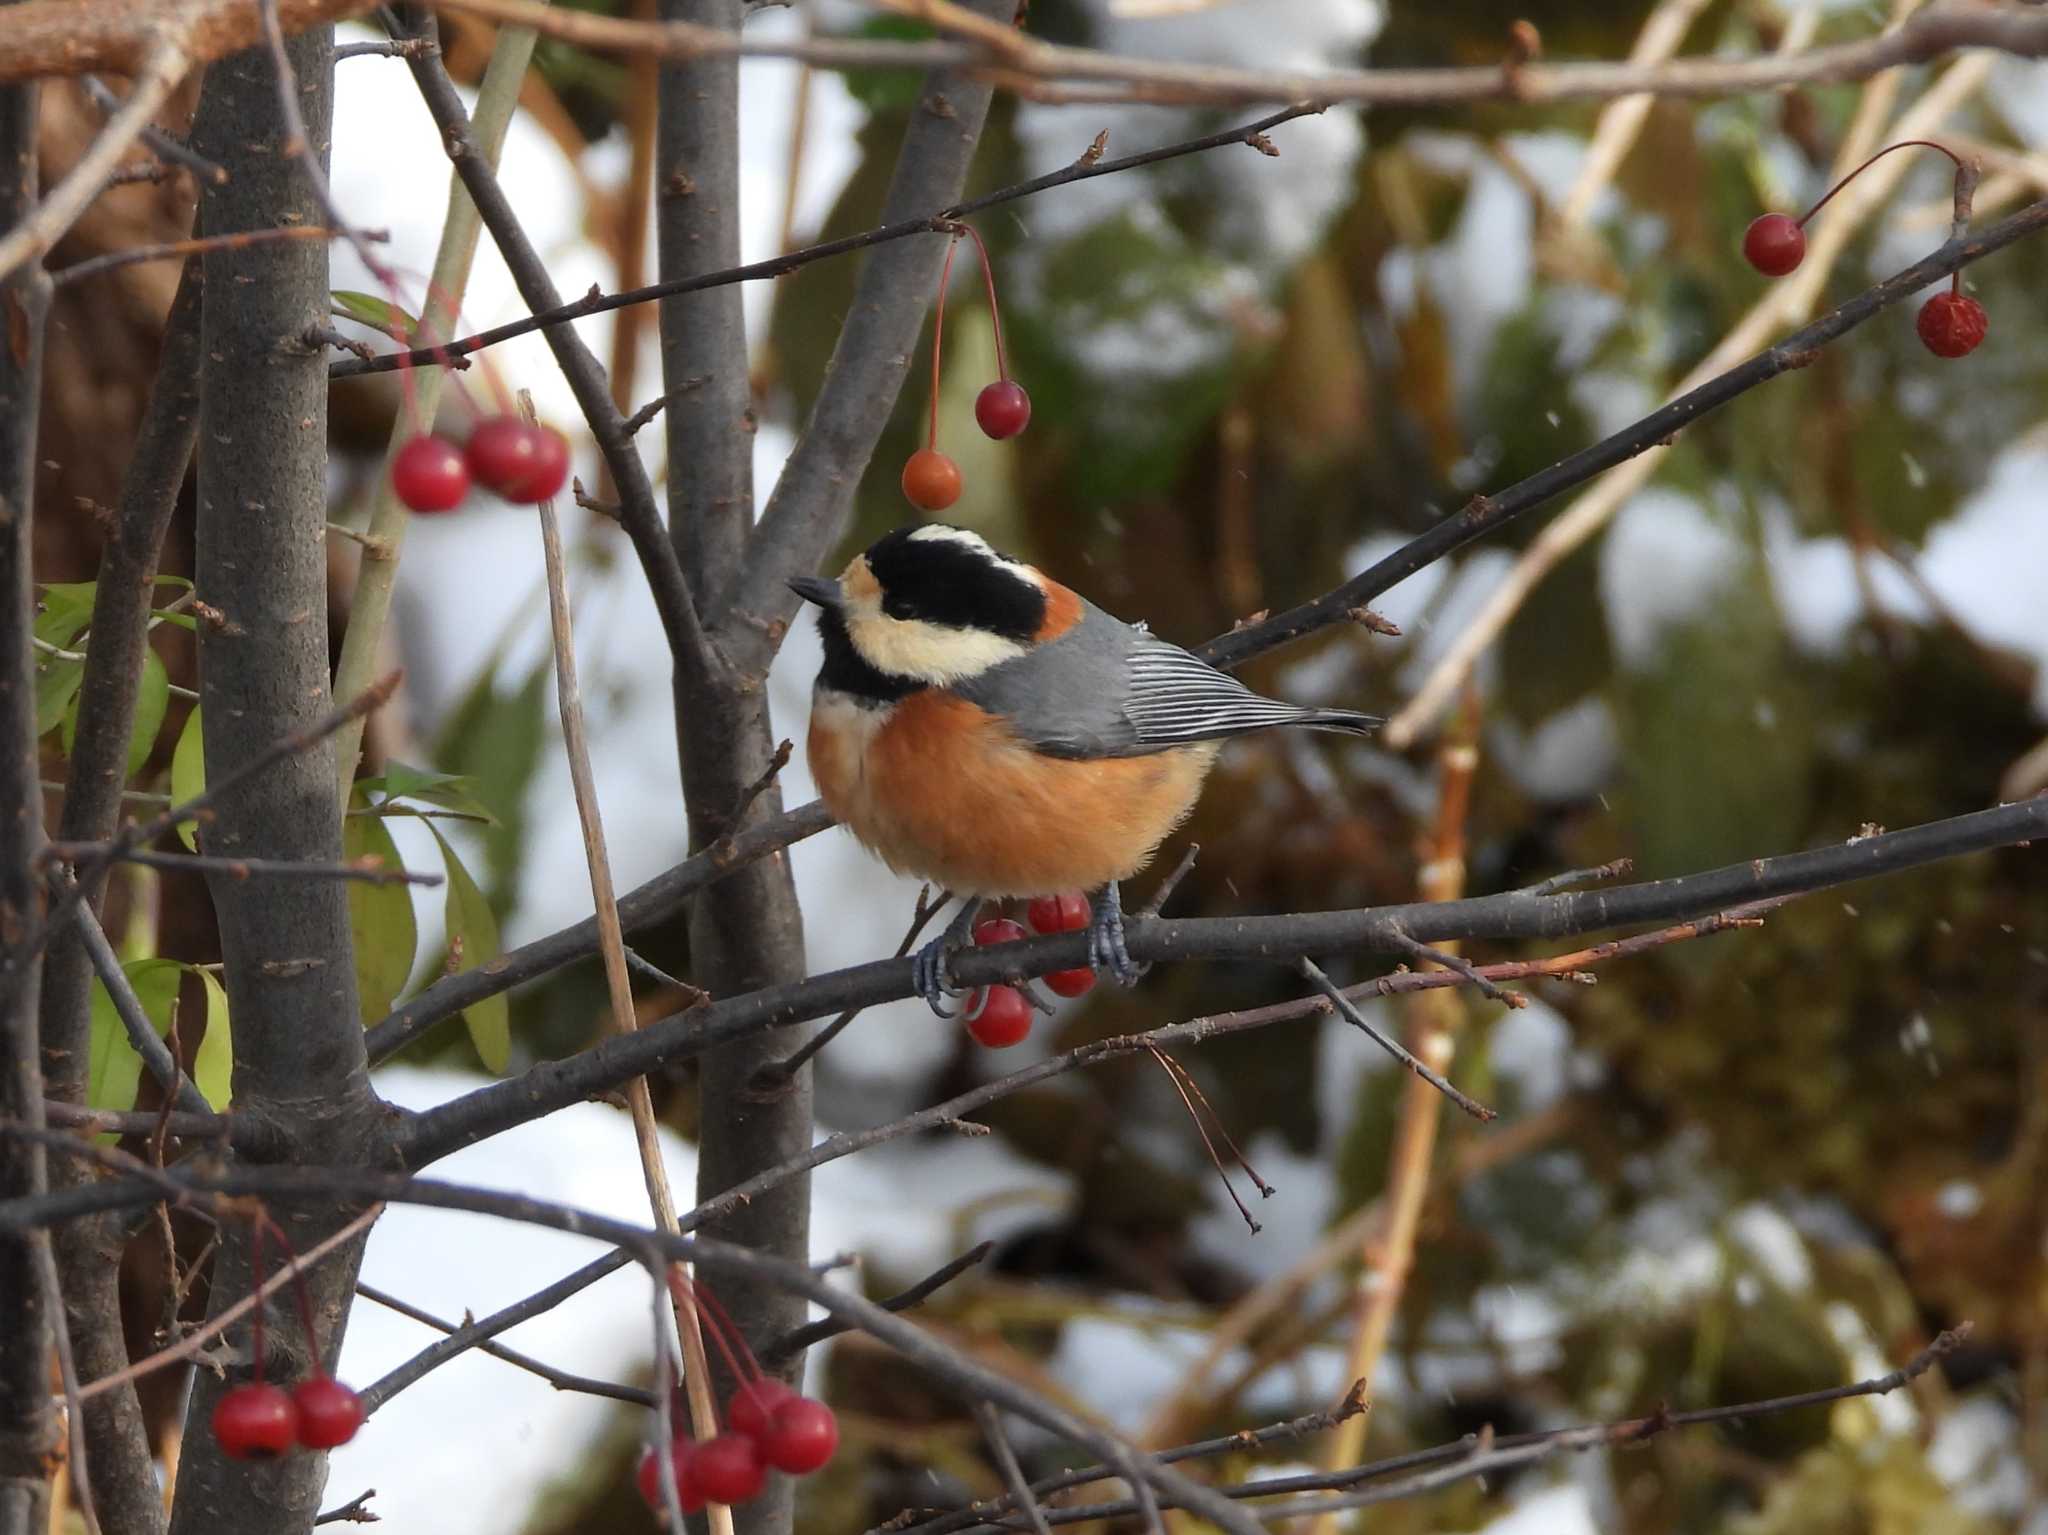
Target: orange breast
(942, 791)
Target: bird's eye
(895, 605)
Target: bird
(980, 726)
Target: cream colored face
(910, 647)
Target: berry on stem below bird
(1951, 324)
(998, 1017)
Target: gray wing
(1106, 689)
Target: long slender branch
(1276, 939)
(64, 37)
(743, 1266)
(1484, 515)
(656, 901)
(1088, 166)
(1028, 66)
(28, 1426)
(561, 1380)
(1486, 1454)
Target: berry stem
(1962, 171)
(725, 1321)
(938, 337)
(298, 1278)
(713, 1319)
(256, 1293)
(995, 313)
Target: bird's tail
(1348, 721)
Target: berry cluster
(518, 460)
(1950, 324)
(768, 1426)
(930, 479)
(259, 1421)
(1000, 1016)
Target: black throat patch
(847, 671)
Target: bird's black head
(925, 606)
(936, 574)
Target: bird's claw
(930, 965)
(1106, 950)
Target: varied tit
(978, 725)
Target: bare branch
(1275, 939)
(936, 222)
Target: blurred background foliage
(1767, 1162)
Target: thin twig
(781, 266)
(93, 266)
(618, 984)
(791, 1064)
(159, 143)
(163, 66)
(156, 1056)
(355, 1511)
(797, 1339)
(368, 870)
(130, 836)
(991, 1423)
(1348, 1011)
(227, 1316)
(52, 1287)
(561, 1380)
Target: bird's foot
(930, 964)
(1106, 950)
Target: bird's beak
(816, 589)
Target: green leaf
(150, 703)
(499, 738)
(114, 1068)
(473, 941)
(57, 683)
(188, 775)
(378, 314)
(213, 1068)
(380, 918)
(66, 609)
(450, 791)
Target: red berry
(754, 1403)
(931, 480)
(801, 1437)
(520, 461)
(998, 1017)
(1774, 244)
(994, 930)
(255, 1422)
(1951, 324)
(1003, 409)
(1071, 983)
(429, 475)
(1064, 913)
(329, 1413)
(648, 1478)
(729, 1468)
